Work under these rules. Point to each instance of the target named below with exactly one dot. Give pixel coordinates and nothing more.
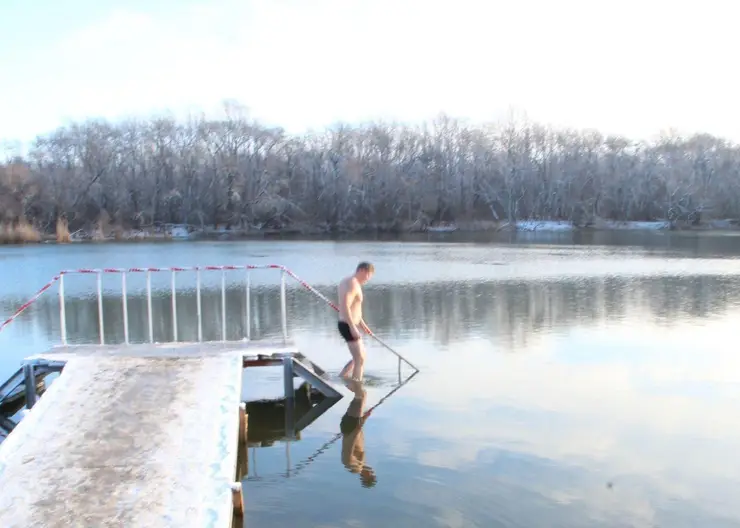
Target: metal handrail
(336, 309)
(284, 272)
(173, 287)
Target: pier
(141, 434)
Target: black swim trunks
(348, 424)
(345, 332)
(352, 417)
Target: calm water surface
(564, 381)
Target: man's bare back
(350, 316)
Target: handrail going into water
(336, 309)
(174, 270)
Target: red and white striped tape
(29, 302)
(172, 268)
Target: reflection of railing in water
(297, 468)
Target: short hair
(365, 266)
(368, 477)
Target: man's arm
(364, 327)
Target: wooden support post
(243, 423)
(242, 458)
(242, 462)
(237, 498)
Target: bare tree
(235, 171)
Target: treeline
(236, 172)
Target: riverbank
(27, 234)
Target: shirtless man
(350, 318)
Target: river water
(565, 380)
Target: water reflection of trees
(443, 312)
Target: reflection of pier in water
(271, 421)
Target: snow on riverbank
(566, 226)
(558, 225)
(632, 225)
(544, 225)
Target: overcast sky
(626, 67)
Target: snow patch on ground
(544, 225)
(564, 225)
(633, 225)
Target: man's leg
(356, 364)
(347, 368)
(347, 335)
(358, 356)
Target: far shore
(190, 233)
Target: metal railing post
(29, 382)
(124, 296)
(223, 305)
(62, 312)
(288, 380)
(174, 306)
(100, 308)
(199, 305)
(149, 305)
(283, 306)
(248, 315)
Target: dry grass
(98, 234)
(63, 231)
(118, 232)
(101, 227)
(19, 233)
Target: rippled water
(564, 381)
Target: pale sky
(629, 67)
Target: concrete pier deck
(128, 439)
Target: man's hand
(355, 332)
(365, 328)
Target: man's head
(368, 477)
(364, 272)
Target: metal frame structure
(124, 272)
(284, 274)
(216, 360)
(293, 363)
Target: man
(350, 318)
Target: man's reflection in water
(353, 439)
